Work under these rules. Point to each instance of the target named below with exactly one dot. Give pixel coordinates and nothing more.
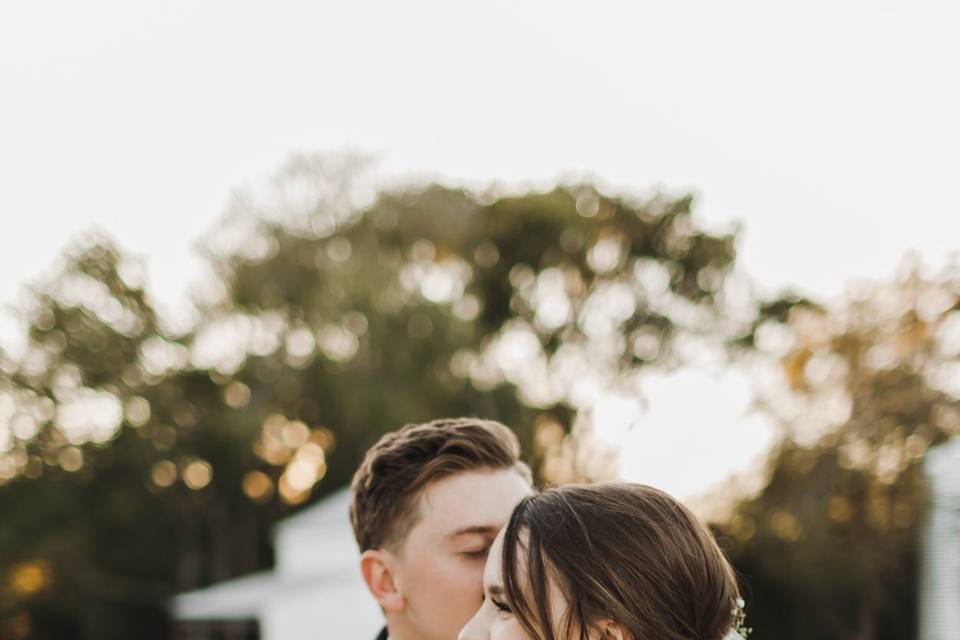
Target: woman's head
(579, 562)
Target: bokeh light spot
(197, 474)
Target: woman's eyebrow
(495, 590)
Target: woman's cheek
(507, 629)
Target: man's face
(439, 567)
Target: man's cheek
(473, 584)
(465, 576)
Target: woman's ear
(610, 630)
(376, 567)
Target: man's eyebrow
(476, 529)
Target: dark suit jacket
(383, 634)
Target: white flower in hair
(739, 630)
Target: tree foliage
(863, 389)
(146, 459)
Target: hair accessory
(739, 630)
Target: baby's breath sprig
(740, 619)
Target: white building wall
(314, 591)
(309, 550)
(340, 609)
(939, 593)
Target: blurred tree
(863, 389)
(145, 458)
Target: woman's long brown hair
(619, 552)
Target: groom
(427, 502)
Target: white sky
(829, 129)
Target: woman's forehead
(492, 575)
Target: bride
(606, 562)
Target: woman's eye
(501, 607)
(479, 553)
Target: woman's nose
(473, 630)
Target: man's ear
(377, 569)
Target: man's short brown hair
(399, 467)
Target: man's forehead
(477, 503)
(462, 517)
